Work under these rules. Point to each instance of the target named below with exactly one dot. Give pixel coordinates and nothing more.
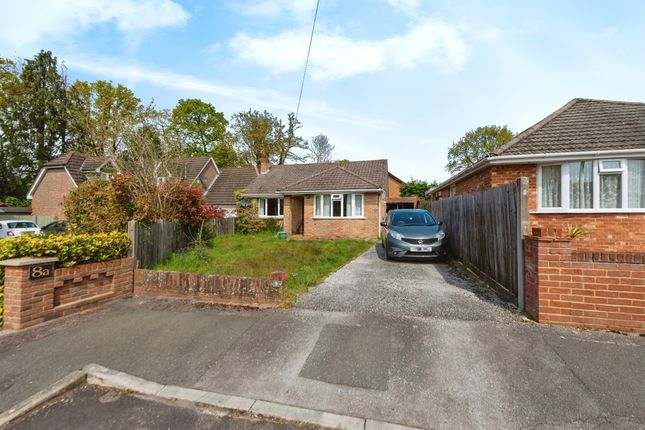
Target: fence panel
(154, 243)
(485, 231)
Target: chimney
(264, 165)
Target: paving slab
(350, 355)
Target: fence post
(522, 204)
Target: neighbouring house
(326, 200)
(65, 173)
(586, 167)
(230, 180)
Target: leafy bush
(100, 206)
(70, 249)
(247, 220)
(17, 202)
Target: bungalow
(65, 173)
(326, 200)
(586, 166)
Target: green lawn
(308, 262)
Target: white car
(15, 228)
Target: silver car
(15, 228)
(413, 233)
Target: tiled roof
(583, 125)
(188, 167)
(339, 176)
(222, 192)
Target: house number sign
(40, 271)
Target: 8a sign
(40, 271)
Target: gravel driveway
(371, 284)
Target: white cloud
(254, 97)
(409, 7)
(335, 56)
(26, 23)
(301, 10)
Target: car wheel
(388, 256)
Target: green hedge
(71, 249)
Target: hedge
(71, 249)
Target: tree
(254, 136)
(101, 115)
(43, 118)
(200, 129)
(416, 187)
(320, 149)
(476, 145)
(286, 140)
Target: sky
(395, 79)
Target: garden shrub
(17, 202)
(100, 206)
(71, 249)
(247, 220)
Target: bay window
(338, 206)
(590, 185)
(270, 207)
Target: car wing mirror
(384, 224)
(440, 223)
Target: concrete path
(468, 364)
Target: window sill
(587, 211)
(271, 216)
(340, 218)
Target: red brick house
(63, 174)
(586, 166)
(326, 200)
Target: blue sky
(396, 79)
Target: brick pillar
(544, 259)
(26, 302)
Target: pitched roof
(188, 167)
(371, 174)
(222, 192)
(73, 161)
(583, 125)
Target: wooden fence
(154, 243)
(485, 231)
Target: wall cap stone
(27, 261)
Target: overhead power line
(304, 74)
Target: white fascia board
(566, 156)
(367, 190)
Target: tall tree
(286, 141)
(416, 187)
(320, 150)
(43, 120)
(254, 136)
(101, 115)
(476, 145)
(198, 125)
(13, 147)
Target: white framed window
(271, 207)
(338, 205)
(592, 186)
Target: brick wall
(50, 194)
(366, 228)
(70, 290)
(600, 290)
(393, 187)
(216, 289)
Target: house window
(339, 206)
(270, 207)
(602, 185)
(551, 187)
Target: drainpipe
(378, 221)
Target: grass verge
(308, 262)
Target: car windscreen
(409, 219)
(21, 224)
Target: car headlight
(441, 234)
(396, 235)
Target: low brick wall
(70, 290)
(601, 290)
(215, 289)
